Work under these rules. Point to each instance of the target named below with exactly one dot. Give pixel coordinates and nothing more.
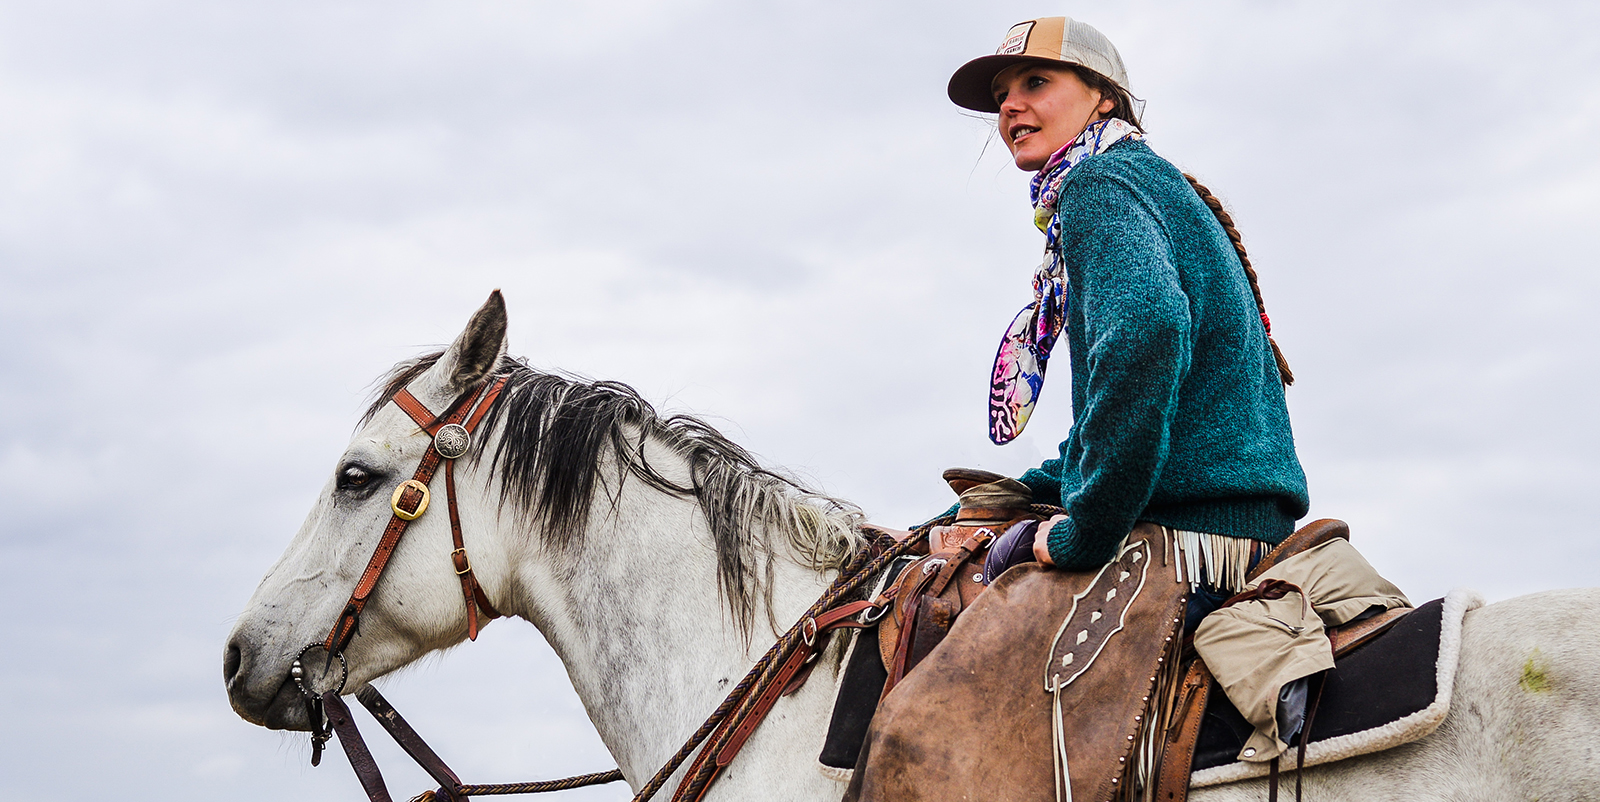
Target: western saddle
(924, 597)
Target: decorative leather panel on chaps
(1098, 613)
(972, 722)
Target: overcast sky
(219, 222)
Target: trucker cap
(1050, 39)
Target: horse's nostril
(231, 660)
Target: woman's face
(1043, 108)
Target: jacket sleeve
(1135, 324)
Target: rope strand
(862, 567)
(580, 781)
(1237, 239)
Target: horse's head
(417, 606)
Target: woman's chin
(1030, 156)
(1030, 163)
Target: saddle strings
(1138, 778)
(1058, 741)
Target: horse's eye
(353, 476)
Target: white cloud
(219, 222)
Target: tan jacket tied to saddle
(1091, 667)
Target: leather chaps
(974, 721)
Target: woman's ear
(1106, 105)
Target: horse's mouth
(262, 687)
(284, 710)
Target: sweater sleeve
(1135, 321)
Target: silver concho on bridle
(452, 440)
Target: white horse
(655, 556)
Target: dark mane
(560, 433)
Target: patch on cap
(1016, 39)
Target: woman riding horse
(1179, 417)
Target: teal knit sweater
(1179, 415)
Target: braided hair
(1126, 110)
(1250, 272)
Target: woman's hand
(1041, 540)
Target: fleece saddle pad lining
(1378, 697)
(1383, 681)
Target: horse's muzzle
(260, 690)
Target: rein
(779, 672)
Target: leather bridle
(779, 672)
(452, 438)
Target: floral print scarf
(1024, 352)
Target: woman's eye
(352, 477)
(999, 98)
(1036, 81)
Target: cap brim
(972, 86)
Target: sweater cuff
(1069, 551)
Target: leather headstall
(452, 438)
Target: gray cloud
(218, 223)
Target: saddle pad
(1394, 690)
(860, 685)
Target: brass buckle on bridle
(422, 506)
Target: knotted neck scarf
(1024, 352)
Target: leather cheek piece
(1012, 548)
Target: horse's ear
(475, 353)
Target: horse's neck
(634, 611)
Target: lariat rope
(564, 784)
(861, 567)
(744, 695)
